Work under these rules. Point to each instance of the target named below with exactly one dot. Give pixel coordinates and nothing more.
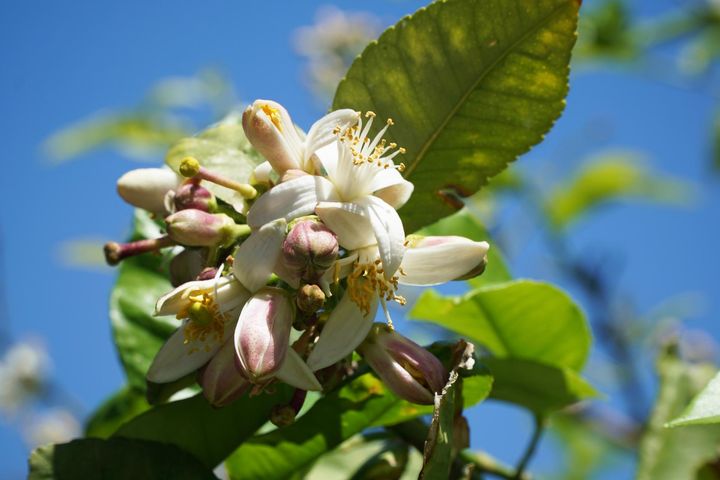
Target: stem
(530, 449)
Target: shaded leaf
(521, 319)
(115, 411)
(704, 408)
(223, 149)
(539, 388)
(114, 459)
(208, 433)
(470, 88)
(677, 453)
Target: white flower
(427, 261)
(356, 196)
(23, 373)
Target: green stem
(530, 449)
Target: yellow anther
(369, 114)
(274, 115)
(390, 121)
(207, 322)
(189, 167)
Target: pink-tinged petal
(221, 381)
(256, 257)
(435, 260)
(388, 230)
(349, 222)
(262, 333)
(322, 132)
(271, 131)
(295, 372)
(291, 199)
(346, 328)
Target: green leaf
(224, 149)
(114, 459)
(606, 178)
(470, 84)
(704, 408)
(677, 453)
(362, 403)
(521, 319)
(209, 433)
(448, 432)
(465, 224)
(539, 388)
(141, 281)
(115, 411)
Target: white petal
(256, 257)
(290, 199)
(436, 260)
(261, 173)
(171, 303)
(348, 222)
(322, 131)
(294, 371)
(341, 269)
(278, 142)
(177, 358)
(389, 232)
(346, 328)
(396, 194)
(146, 188)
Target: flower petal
(221, 381)
(228, 291)
(322, 132)
(389, 232)
(291, 199)
(271, 131)
(295, 372)
(397, 193)
(256, 257)
(346, 328)
(349, 222)
(435, 260)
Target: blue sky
(64, 60)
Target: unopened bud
(270, 129)
(191, 195)
(195, 228)
(146, 188)
(262, 333)
(207, 273)
(187, 265)
(283, 415)
(221, 381)
(309, 250)
(434, 260)
(116, 252)
(310, 298)
(410, 371)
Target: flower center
(274, 115)
(368, 280)
(207, 322)
(376, 152)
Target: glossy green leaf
(470, 84)
(610, 177)
(223, 149)
(521, 319)
(141, 281)
(210, 434)
(115, 411)
(704, 409)
(115, 459)
(538, 387)
(465, 224)
(677, 453)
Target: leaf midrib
(431, 140)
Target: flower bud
(271, 131)
(221, 381)
(195, 228)
(262, 333)
(146, 188)
(309, 250)
(435, 260)
(410, 371)
(310, 298)
(191, 195)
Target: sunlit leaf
(521, 319)
(469, 86)
(704, 408)
(115, 459)
(223, 149)
(610, 177)
(677, 453)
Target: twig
(538, 430)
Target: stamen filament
(191, 168)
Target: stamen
(364, 151)
(368, 280)
(206, 321)
(274, 115)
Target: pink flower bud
(309, 250)
(262, 333)
(271, 131)
(221, 380)
(410, 371)
(195, 228)
(191, 195)
(147, 187)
